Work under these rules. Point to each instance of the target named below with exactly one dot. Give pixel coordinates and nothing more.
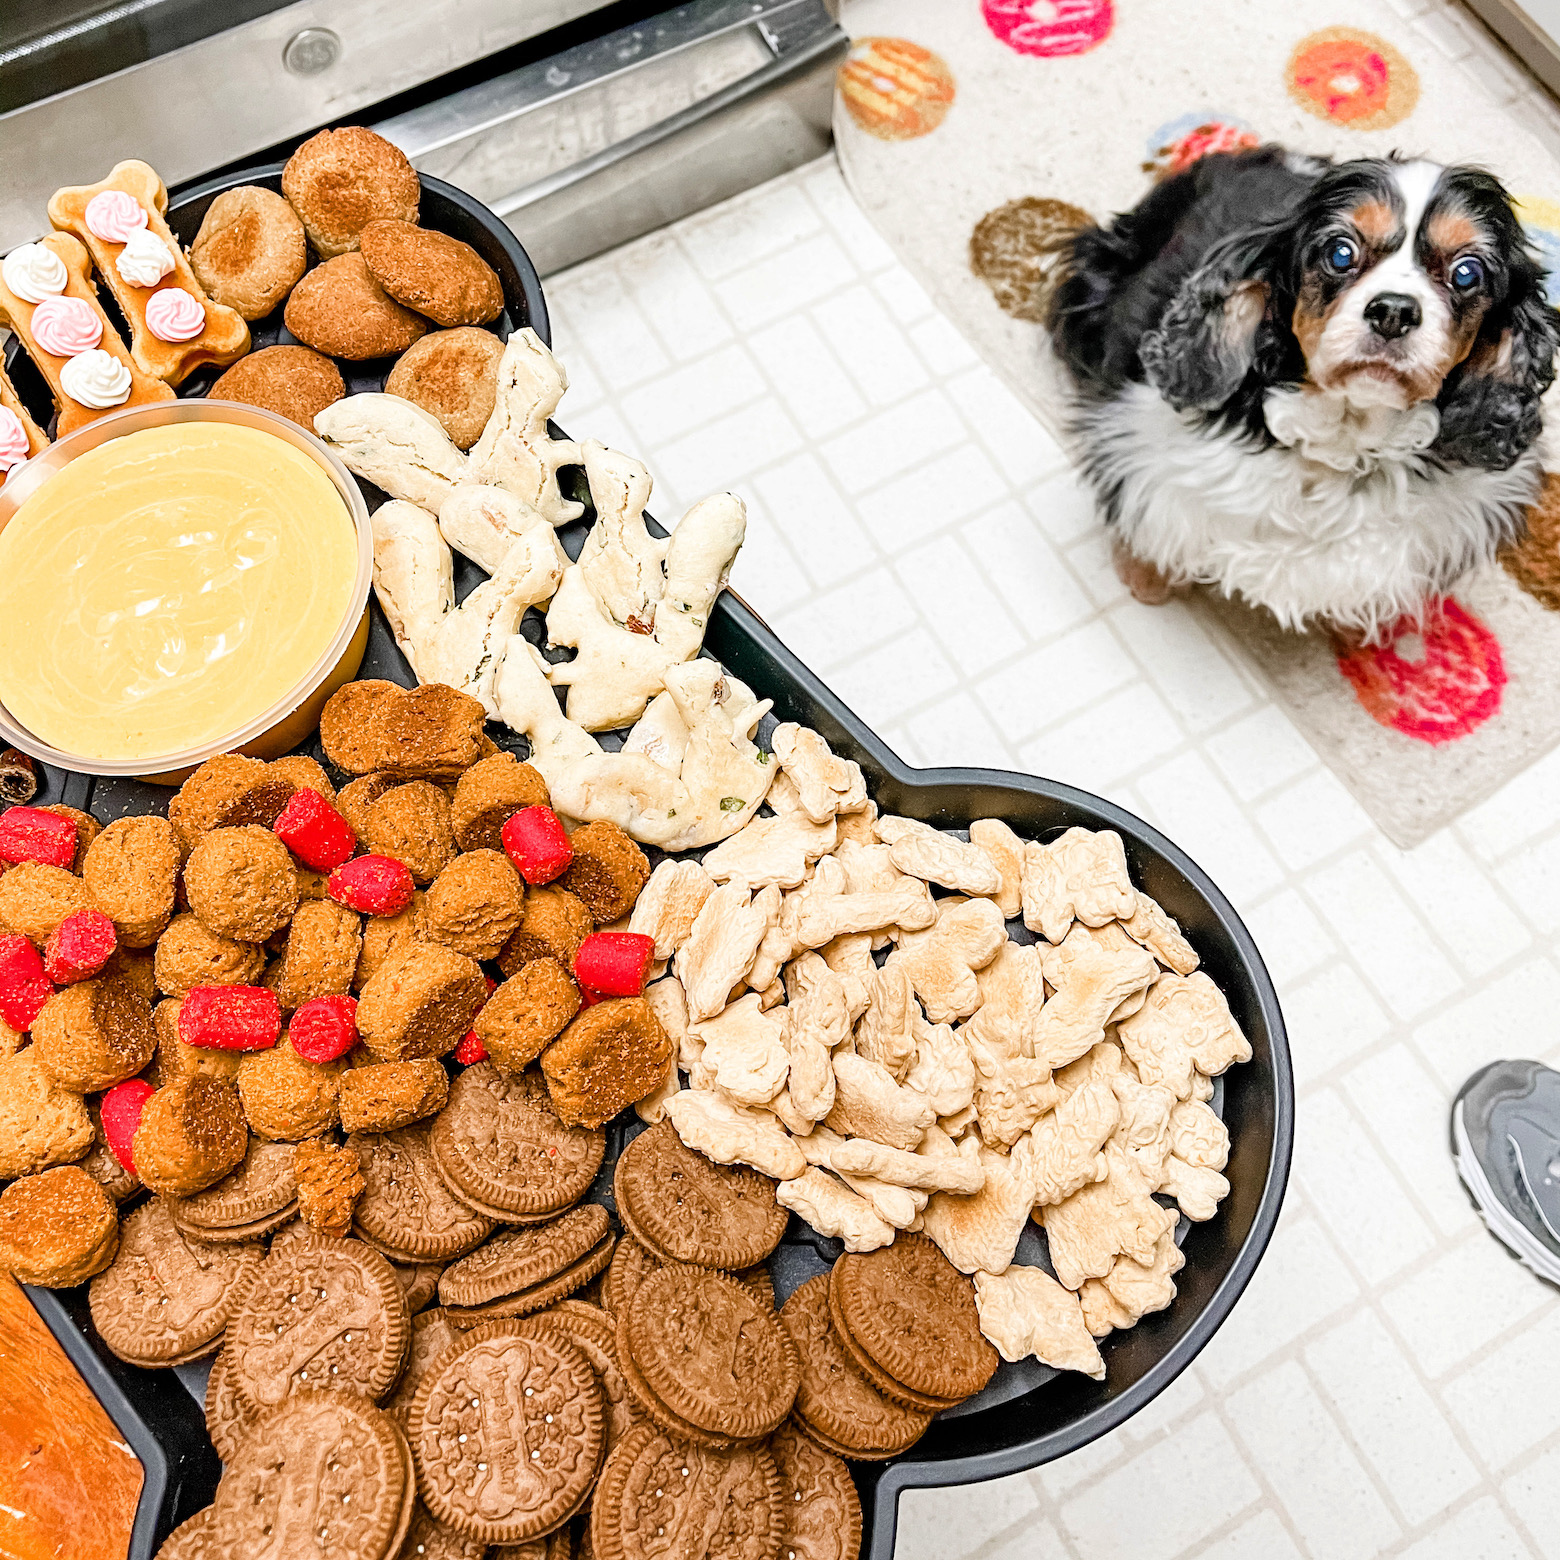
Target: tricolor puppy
(1312, 384)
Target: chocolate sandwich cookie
(320, 1473)
(631, 1264)
(594, 1331)
(521, 1271)
(406, 1210)
(254, 1200)
(507, 1431)
(681, 1207)
(907, 1318)
(191, 1540)
(705, 1358)
(426, 1540)
(432, 1334)
(166, 1298)
(835, 1403)
(228, 1416)
(419, 1283)
(821, 1511)
(103, 1165)
(658, 1496)
(322, 1315)
(501, 1148)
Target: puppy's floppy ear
(1489, 404)
(1206, 341)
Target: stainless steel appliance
(584, 124)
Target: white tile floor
(1390, 1384)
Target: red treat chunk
(538, 844)
(121, 1111)
(24, 987)
(34, 834)
(374, 885)
(230, 1018)
(315, 832)
(324, 1029)
(614, 964)
(81, 945)
(589, 998)
(470, 1050)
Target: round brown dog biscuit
(507, 1431)
(834, 1399)
(191, 1134)
(41, 1124)
(683, 1208)
(319, 1468)
(657, 1496)
(294, 382)
(474, 904)
(263, 1185)
(341, 180)
(132, 870)
(453, 376)
(411, 822)
(611, 1055)
(387, 1095)
(35, 898)
(319, 956)
(57, 1228)
(228, 1416)
(494, 789)
(631, 1265)
(554, 926)
(595, 1335)
(250, 251)
(711, 1352)
(572, 1280)
(913, 1315)
(321, 1314)
(524, 1014)
(436, 275)
(419, 1004)
(406, 1209)
(500, 1146)
(189, 955)
(236, 1234)
(607, 872)
(286, 1097)
(241, 883)
(518, 1260)
(227, 792)
(821, 1511)
(432, 1335)
(339, 309)
(896, 1391)
(168, 1298)
(94, 1034)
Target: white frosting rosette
(34, 273)
(97, 379)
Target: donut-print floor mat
(973, 132)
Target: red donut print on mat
(1435, 681)
(1352, 78)
(1050, 27)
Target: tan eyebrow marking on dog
(1376, 221)
(1449, 231)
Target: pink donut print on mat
(1435, 681)
(1048, 28)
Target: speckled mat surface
(973, 132)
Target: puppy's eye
(1340, 256)
(1466, 274)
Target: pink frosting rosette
(173, 315)
(13, 440)
(66, 326)
(113, 216)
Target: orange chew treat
(37, 439)
(17, 313)
(225, 338)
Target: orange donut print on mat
(1352, 78)
(1435, 681)
(1050, 28)
(895, 89)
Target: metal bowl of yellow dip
(176, 581)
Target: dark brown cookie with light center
(709, 1352)
(501, 1148)
(507, 1430)
(258, 1197)
(167, 1299)
(228, 1416)
(406, 1210)
(835, 1402)
(907, 1317)
(321, 1314)
(658, 1496)
(820, 1509)
(320, 1473)
(681, 1207)
(520, 1271)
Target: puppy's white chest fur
(1343, 519)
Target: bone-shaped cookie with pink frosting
(20, 437)
(47, 298)
(174, 326)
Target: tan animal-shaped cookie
(223, 339)
(1132, 1289)
(18, 313)
(1184, 1028)
(1092, 979)
(1103, 1220)
(1080, 877)
(942, 960)
(1026, 1312)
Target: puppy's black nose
(1392, 315)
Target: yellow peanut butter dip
(168, 587)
